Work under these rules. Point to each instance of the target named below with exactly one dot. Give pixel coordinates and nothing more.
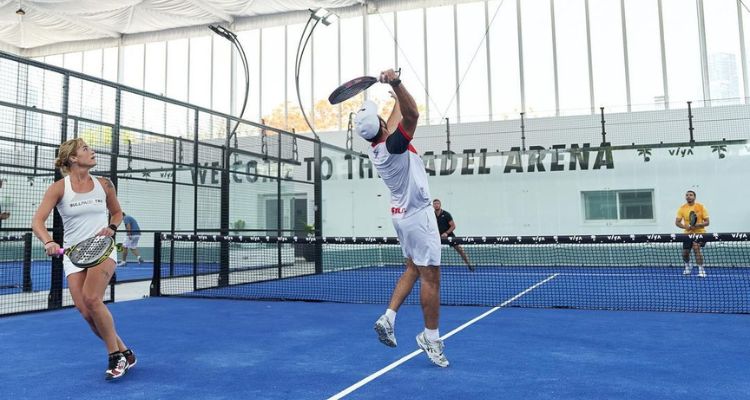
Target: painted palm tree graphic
(646, 153)
(720, 150)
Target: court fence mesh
(605, 272)
(173, 164)
(30, 281)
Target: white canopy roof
(52, 22)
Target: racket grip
(60, 251)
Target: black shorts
(452, 235)
(687, 243)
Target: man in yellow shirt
(693, 218)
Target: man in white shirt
(403, 172)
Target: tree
(325, 117)
(101, 136)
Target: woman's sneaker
(130, 356)
(118, 366)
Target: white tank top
(83, 214)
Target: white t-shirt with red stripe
(402, 170)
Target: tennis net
(28, 280)
(15, 263)
(612, 272)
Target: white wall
(550, 202)
(494, 203)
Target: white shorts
(131, 242)
(70, 268)
(419, 237)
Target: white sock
(391, 315)
(687, 265)
(432, 334)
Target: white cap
(366, 121)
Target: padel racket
(90, 252)
(353, 87)
(693, 219)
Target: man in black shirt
(446, 226)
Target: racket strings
(351, 89)
(91, 250)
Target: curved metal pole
(243, 57)
(225, 184)
(232, 37)
(298, 64)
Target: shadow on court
(225, 349)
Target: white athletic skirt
(70, 268)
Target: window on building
(618, 204)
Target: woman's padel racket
(90, 252)
(353, 88)
(693, 219)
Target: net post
(54, 298)
(196, 166)
(318, 180)
(174, 199)
(690, 122)
(447, 134)
(27, 262)
(115, 147)
(224, 215)
(112, 283)
(523, 134)
(155, 290)
(279, 226)
(603, 122)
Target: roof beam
(212, 10)
(77, 21)
(10, 48)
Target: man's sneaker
(118, 366)
(471, 267)
(130, 357)
(687, 271)
(140, 260)
(434, 350)
(701, 272)
(384, 328)
(121, 263)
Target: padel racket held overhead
(353, 87)
(90, 252)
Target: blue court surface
(232, 349)
(606, 288)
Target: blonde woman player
(86, 204)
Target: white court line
(413, 354)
